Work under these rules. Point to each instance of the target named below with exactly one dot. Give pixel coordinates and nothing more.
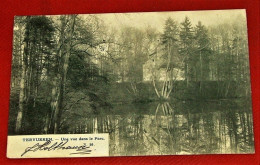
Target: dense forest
(70, 67)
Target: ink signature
(50, 146)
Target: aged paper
(154, 83)
(76, 145)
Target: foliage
(66, 68)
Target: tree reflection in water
(166, 129)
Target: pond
(174, 128)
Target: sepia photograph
(158, 83)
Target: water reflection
(174, 129)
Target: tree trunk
(22, 94)
(155, 88)
(64, 68)
(201, 73)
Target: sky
(157, 19)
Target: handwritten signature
(50, 146)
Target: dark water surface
(175, 128)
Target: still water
(177, 128)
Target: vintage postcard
(130, 84)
